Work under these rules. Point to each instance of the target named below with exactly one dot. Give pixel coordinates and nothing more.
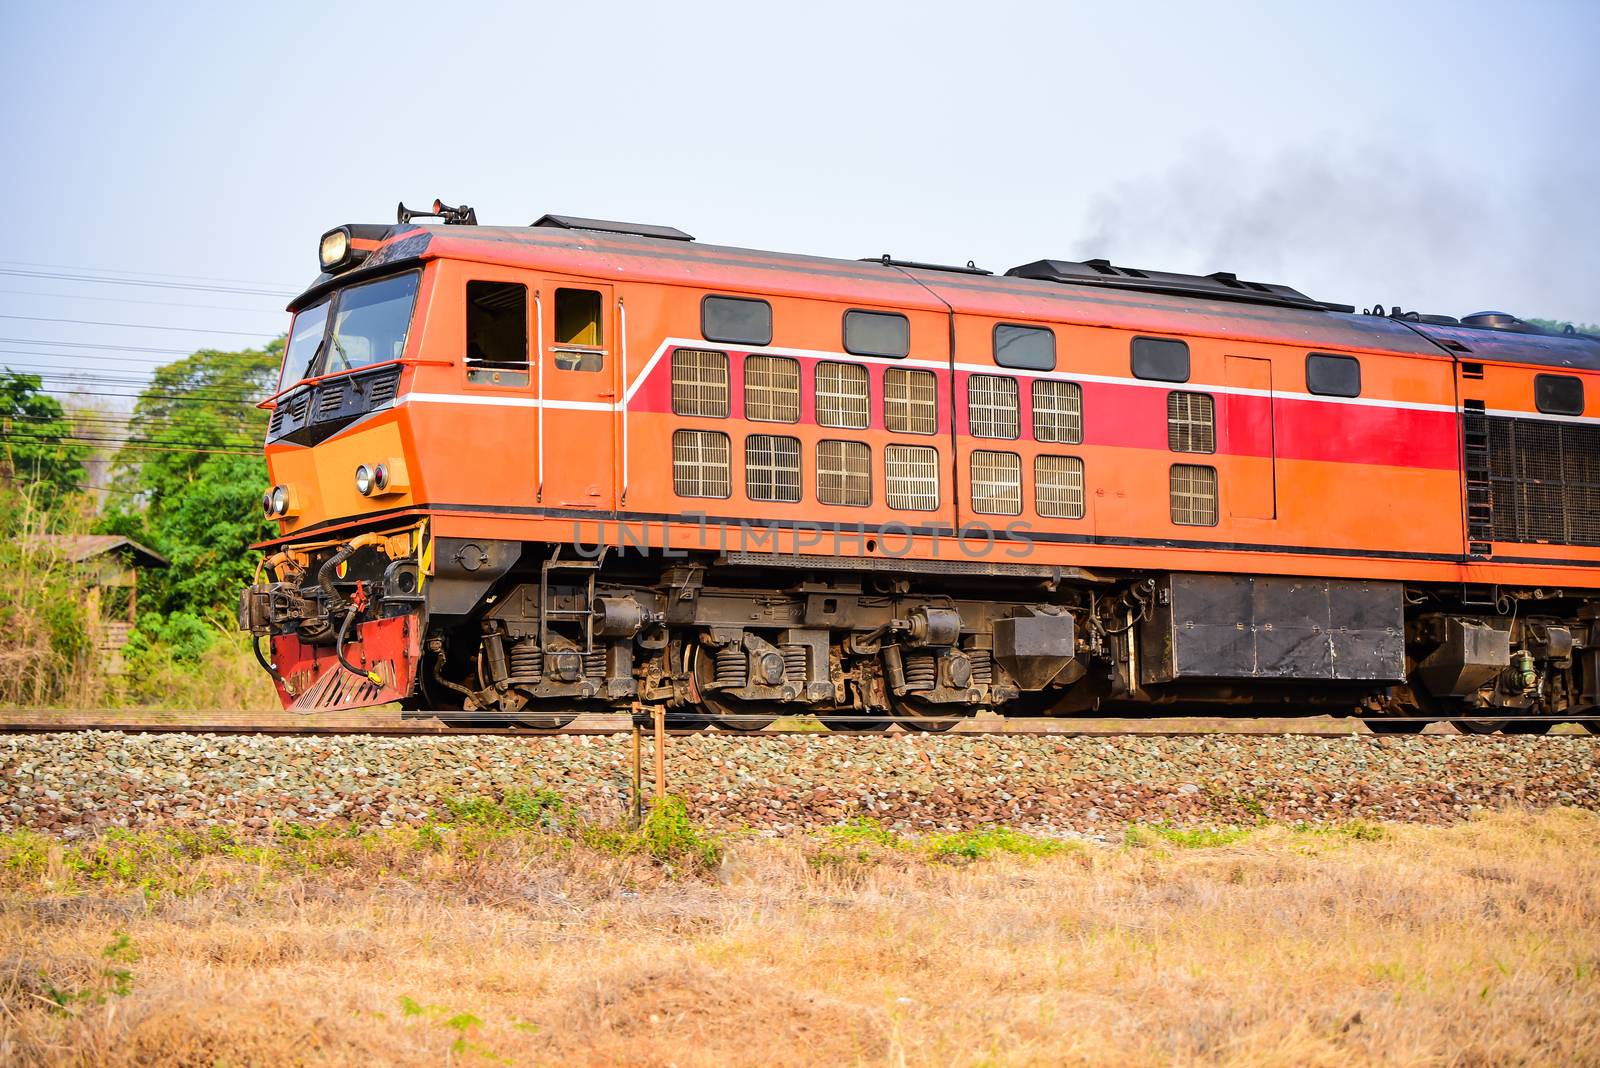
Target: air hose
(325, 575)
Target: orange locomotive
(524, 472)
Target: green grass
(1144, 835)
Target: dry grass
(484, 944)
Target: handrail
(622, 395)
(268, 402)
(538, 319)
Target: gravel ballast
(75, 783)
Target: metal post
(661, 753)
(636, 802)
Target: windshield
(304, 341)
(370, 323)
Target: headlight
(364, 480)
(380, 477)
(280, 500)
(335, 247)
(266, 504)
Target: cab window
(370, 323)
(497, 333)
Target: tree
(1559, 326)
(194, 461)
(37, 450)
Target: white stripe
(502, 402)
(1509, 413)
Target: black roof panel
(608, 226)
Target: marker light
(266, 504)
(280, 500)
(380, 477)
(335, 247)
(364, 480)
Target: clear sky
(1442, 156)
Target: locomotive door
(577, 379)
(1252, 481)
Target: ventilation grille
(910, 401)
(842, 395)
(1058, 486)
(1545, 481)
(911, 477)
(1191, 422)
(700, 464)
(996, 483)
(992, 406)
(330, 398)
(700, 383)
(381, 387)
(772, 389)
(1057, 412)
(1194, 495)
(772, 468)
(844, 473)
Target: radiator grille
(772, 389)
(1058, 486)
(700, 464)
(910, 401)
(772, 468)
(844, 473)
(1191, 422)
(842, 395)
(911, 477)
(996, 483)
(1194, 495)
(700, 383)
(992, 406)
(1545, 481)
(1057, 412)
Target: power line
(149, 303)
(137, 274)
(187, 286)
(177, 447)
(133, 326)
(92, 345)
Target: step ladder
(1480, 487)
(548, 612)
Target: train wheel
(1379, 725)
(1478, 726)
(915, 715)
(729, 713)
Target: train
(520, 473)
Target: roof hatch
(1219, 286)
(609, 226)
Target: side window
(700, 464)
(910, 401)
(700, 383)
(842, 399)
(844, 473)
(1057, 411)
(911, 477)
(497, 333)
(1027, 348)
(1058, 486)
(772, 468)
(992, 406)
(1191, 422)
(1162, 359)
(1558, 394)
(580, 330)
(736, 321)
(876, 333)
(1333, 376)
(996, 483)
(1194, 495)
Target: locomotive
(520, 473)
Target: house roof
(81, 547)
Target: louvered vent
(772, 389)
(910, 401)
(330, 398)
(1194, 495)
(700, 383)
(298, 406)
(911, 477)
(381, 387)
(842, 395)
(772, 468)
(1058, 486)
(996, 483)
(1057, 412)
(700, 464)
(844, 473)
(992, 406)
(275, 424)
(1545, 481)
(1191, 422)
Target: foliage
(34, 450)
(44, 637)
(1198, 838)
(1559, 326)
(193, 461)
